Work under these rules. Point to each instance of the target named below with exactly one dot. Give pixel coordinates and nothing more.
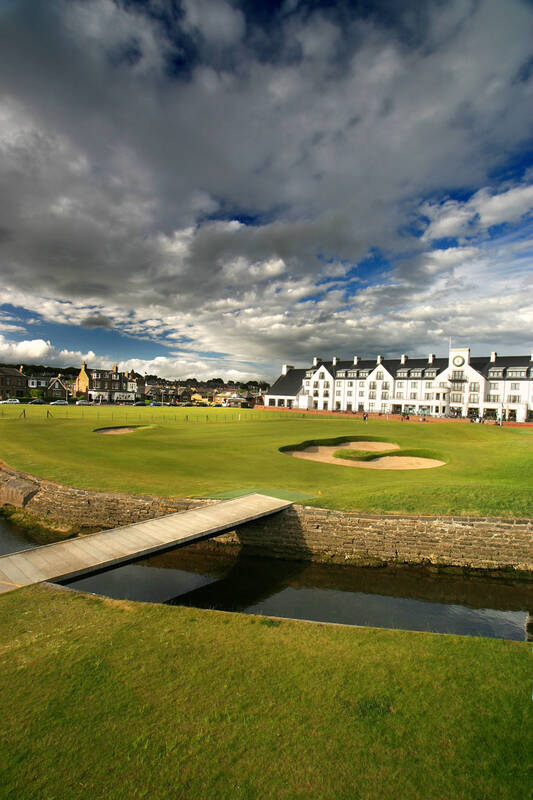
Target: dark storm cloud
(133, 135)
(96, 321)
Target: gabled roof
(11, 372)
(290, 384)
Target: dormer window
(402, 373)
(495, 373)
(516, 373)
(352, 373)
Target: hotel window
(474, 387)
(493, 387)
(428, 396)
(361, 394)
(515, 387)
(429, 384)
(307, 383)
(399, 395)
(384, 395)
(379, 376)
(457, 398)
(373, 385)
(514, 398)
(399, 384)
(349, 393)
(338, 392)
(385, 385)
(457, 375)
(350, 383)
(495, 373)
(413, 395)
(493, 398)
(338, 383)
(371, 395)
(473, 398)
(315, 384)
(414, 385)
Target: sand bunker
(113, 431)
(324, 453)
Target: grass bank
(103, 698)
(207, 452)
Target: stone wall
(77, 510)
(301, 532)
(317, 534)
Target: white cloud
(312, 139)
(484, 209)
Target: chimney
(286, 368)
(316, 361)
(355, 360)
(379, 359)
(431, 358)
(403, 358)
(21, 368)
(335, 359)
(493, 356)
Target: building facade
(13, 383)
(461, 385)
(109, 385)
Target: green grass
(217, 452)
(111, 699)
(361, 455)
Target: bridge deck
(98, 551)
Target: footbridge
(100, 551)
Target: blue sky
(216, 187)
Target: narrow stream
(390, 597)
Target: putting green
(210, 452)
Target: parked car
(10, 400)
(83, 403)
(36, 402)
(153, 403)
(59, 403)
(140, 403)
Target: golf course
(482, 470)
(110, 698)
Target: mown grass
(106, 698)
(361, 455)
(193, 452)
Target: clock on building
(458, 361)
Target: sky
(212, 188)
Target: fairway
(197, 452)
(124, 700)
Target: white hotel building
(460, 385)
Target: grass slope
(105, 698)
(188, 453)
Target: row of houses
(112, 386)
(459, 385)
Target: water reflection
(406, 598)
